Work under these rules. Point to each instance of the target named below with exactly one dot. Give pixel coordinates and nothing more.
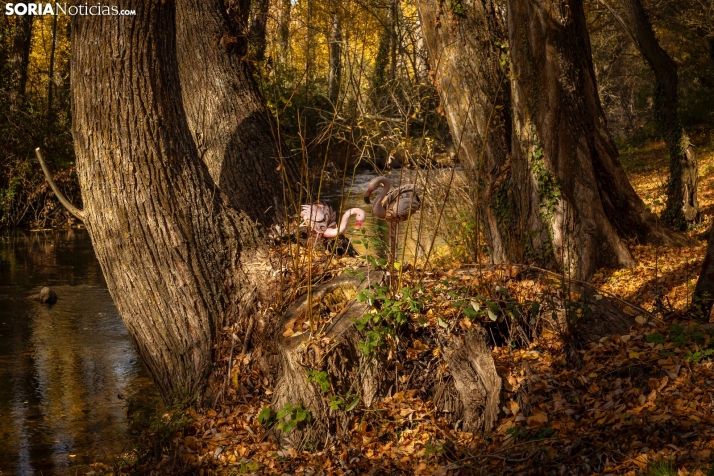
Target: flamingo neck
(377, 208)
(333, 232)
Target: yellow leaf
(641, 320)
(634, 355)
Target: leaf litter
(621, 405)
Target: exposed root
(336, 353)
(473, 394)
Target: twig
(248, 335)
(602, 291)
(58, 193)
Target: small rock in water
(46, 296)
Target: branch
(60, 196)
(622, 23)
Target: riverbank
(636, 402)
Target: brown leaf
(537, 419)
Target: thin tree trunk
(226, 114)
(394, 16)
(284, 29)
(51, 71)
(335, 70)
(703, 297)
(682, 204)
(172, 249)
(381, 61)
(20, 60)
(258, 29)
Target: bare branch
(60, 196)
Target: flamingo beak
(358, 224)
(366, 196)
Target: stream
(62, 367)
(415, 237)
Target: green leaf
(491, 315)
(301, 415)
(352, 404)
(656, 338)
(285, 411)
(470, 313)
(264, 415)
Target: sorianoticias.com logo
(64, 9)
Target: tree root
(473, 394)
(336, 353)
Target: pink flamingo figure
(318, 217)
(360, 217)
(394, 206)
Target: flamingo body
(318, 217)
(393, 205)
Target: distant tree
(682, 205)
(335, 68)
(550, 186)
(20, 60)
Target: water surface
(415, 236)
(62, 367)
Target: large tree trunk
(549, 187)
(20, 60)
(170, 246)
(475, 94)
(703, 298)
(584, 194)
(682, 204)
(225, 111)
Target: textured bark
(682, 204)
(226, 114)
(473, 395)
(170, 246)
(585, 197)
(20, 60)
(348, 370)
(548, 185)
(335, 67)
(475, 94)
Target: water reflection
(417, 235)
(61, 367)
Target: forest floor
(637, 403)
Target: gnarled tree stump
(473, 393)
(335, 352)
